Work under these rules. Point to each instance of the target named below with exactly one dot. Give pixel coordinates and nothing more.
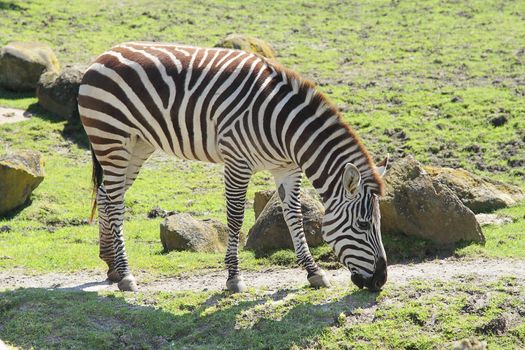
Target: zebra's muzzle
(376, 281)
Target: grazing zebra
(240, 109)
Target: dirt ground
(445, 270)
(13, 115)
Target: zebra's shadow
(65, 318)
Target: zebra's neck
(323, 144)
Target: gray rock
(20, 174)
(183, 232)
(492, 219)
(260, 200)
(270, 231)
(58, 92)
(417, 205)
(480, 194)
(22, 64)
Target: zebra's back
(177, 98)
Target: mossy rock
(415, 204)
(479, 194)
(22, 64)
(58, 92)
(182, 232)
(248, 44)
(20, 174)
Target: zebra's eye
(363, 225)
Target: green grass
(417, 316)
(426, 71)
(422, 78)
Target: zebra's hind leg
(288, 182)
(106, 251)
(236, 179)
(120, 167)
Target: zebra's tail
(96, 179)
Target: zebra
(249, 113)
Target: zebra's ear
(383, 165)
(351, 178)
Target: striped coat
(232, 107)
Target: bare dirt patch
(399, 274)
(13, 115)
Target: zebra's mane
(320, 100)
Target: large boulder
(183, 232)
(270, 231)
(248, 44)
(58, 92)
(20, 174)
(22, 64)
(480, 194)
(415, 204)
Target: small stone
(5, 228)
(156, 213)
(498, 121)
(471, 343)
(497, 326)
(492, 219)
(248, 44)
(456, 99)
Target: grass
(416, 316)
(424, 78)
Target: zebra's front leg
(288, 182)
(236, 179)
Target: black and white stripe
(229, 106)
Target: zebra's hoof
(319, 280)
(128, 284)
(114, 276)
(236, 284)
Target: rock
(58, 92)
(471, 343)
(417, 205)
(183, 232)
(22, 64)
(270, 231)
(492, 219)
(248, 44)
(260, 200)
(158, 212)
(498, 121)
(20, 174)
(480, 194)
(222, 231)
(497, 326)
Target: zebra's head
(352, 227)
